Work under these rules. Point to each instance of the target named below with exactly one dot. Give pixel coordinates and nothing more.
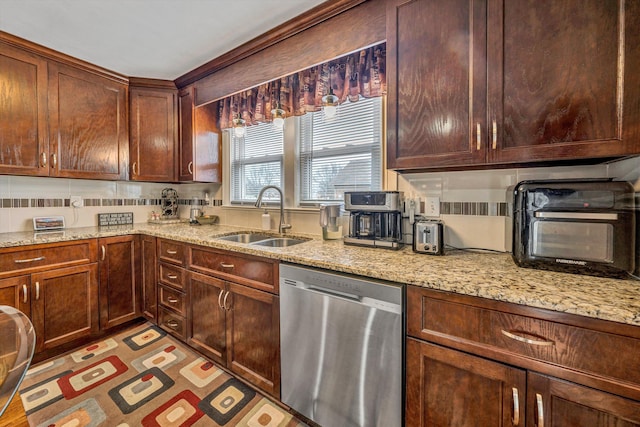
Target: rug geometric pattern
(143, 377)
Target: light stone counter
(487, 275)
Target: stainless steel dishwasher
(341, 348)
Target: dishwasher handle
(334, 293)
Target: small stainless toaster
(428, 237)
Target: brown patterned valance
(359, 74)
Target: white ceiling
(161, 39)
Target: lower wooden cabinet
(238, 327)
(148, 267)
(477, 362)
(554, 402)
(64, 305)
(119, 290)
(446, 387)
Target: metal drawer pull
(104, 252)
(22, 261)
(134, 168)
(43, 159)
(172, 276)
(171, 252)
(495, 135)
(172, 324)
(478, 136)
(220, 299)
(224, 303)
(516, 407)
(172, 300)
(223, 265)
(24, 294)
(37, 291)
(190, 167)
(540, 406)
(54, 160)
(526, 340)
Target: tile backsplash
(474, 205)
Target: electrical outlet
(76, 201)
(432, 206)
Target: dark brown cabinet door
(436, 73)
(449, 388)
(563, 80)
(24, 139)
(119, 293)
(88, 124)
(253, 336)
(206, 329)
(154, 129)
(64, 305)
(16, 292)
(553, 402)
(200, 141)
(148, 280)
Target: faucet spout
(282, 226)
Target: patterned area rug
(143, 377)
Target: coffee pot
(330, 221)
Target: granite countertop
(487, 275)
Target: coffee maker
(375, 218)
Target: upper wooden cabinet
(88, 124)
(24, 141)
(200, 140)
(154, 133)
(511, 82)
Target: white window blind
(341, 155)
(256, 161)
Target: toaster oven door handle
(577, 215)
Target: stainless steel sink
(245, 237)
(279, 242)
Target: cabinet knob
(478, 136)
(171, 252)
(172, 276)
(43, 160)
(24, 294)
(172, 300)
(172, 324)
(223, 265)
(190, 168)
(23, 261)
(104, 252)
(37, 291)
(134, 168)
(54, 160)
(513, 336)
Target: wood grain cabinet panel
(207, 329)
(88, 125)
(16, 292)
(148, 270)
(64, 305)
(450, 388)
(154, 133)
(479, 83)
(200, 141)
(24, 139)
(257, 272)
(172, 252)
(119, 280)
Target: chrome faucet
(282, 226)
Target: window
(341, 155)
(256, 160)
(326, 158)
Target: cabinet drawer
(172, 299)
(171, 252)
(256, 272)
(29, 259)
(432, 317)
(172, 323)
(171, 275)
